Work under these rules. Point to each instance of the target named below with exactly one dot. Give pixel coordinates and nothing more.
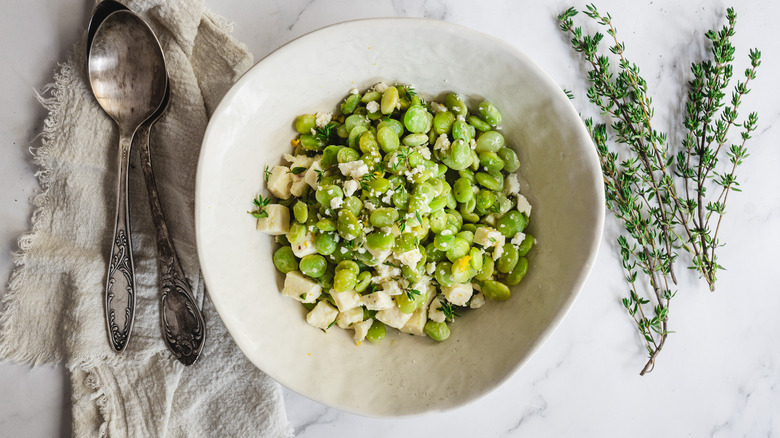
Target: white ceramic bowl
(403, 375)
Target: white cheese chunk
(416, 324)
(372, 107)
(523, 206)
(336, 203)
(361, 330)
(322, 316)
(277, 222)
(349, 317)
(393, 317)
(350, 187)
(518, 239)
(442, 143)
(299, 160)
(301, 288)
(511, 186)
(298, 186)
(498, 250)
(311, 175)
(279, 182)
(380, 87)
(345, 300)
(378, 300)
(457, 294)
(305, 246)
(392, 288)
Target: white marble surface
(720, 372)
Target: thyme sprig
(661, 197)
(260, 203)
(449, 312)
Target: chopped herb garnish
(411, 293)
(320, 174)
(260, 203)
(267, 173)
(297, 170)
(448, 311)
(326, 132)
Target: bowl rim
(566, 304)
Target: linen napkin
(53, 311)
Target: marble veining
(718, 375)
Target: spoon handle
(183, 328)
(120, 281)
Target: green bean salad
(397, 212)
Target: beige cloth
(53, 311)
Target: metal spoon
(182, 323)
(127, 74)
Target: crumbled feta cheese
(380, 87)
(436, 107)
(350, 187)
(410, 258)
(355, 169)
(354, 91)
(477, 301)
(460, 118)
(488, 237)
(392, 288)
(322, 119)
(518, 239)
(498, 251)
(311, 175)
(511, 186)
(434, 310)
(425, 152)
(475, 189)
(378, 300)
(336, 202)
(446, 232)
(387, 198)
(523, 205)
(361, 250)
(372, 106)
(361, 330)
(322, 316)
(298, 160)
(457, 294)
(442, 143)
(380, 256)
(343, 250)
(430, 268)
(472, 144)
(414, 171)
(385, 273)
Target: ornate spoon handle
(183, 328)
(120, 280)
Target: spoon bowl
(127, 73)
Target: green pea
(325, 194)
(459, 156)
(462, 190)
(393, 124)
(353, 204)
(489, 113)
(305, 123)
(413, 140)
(487, 269)
(284, 260)
(325, 244)
(478, 124)
(313, 265)
(474, 161)
(488, 181)
(330, 156)
(485, 199)
(511, 223)
(282, 240)
(348, 265)
(443, 273)
(388, 139)
(452, 203)
(354, 121)
(348, 225)
(438, 203)
(326, 280)
(371, 96)
(389, 100)
(376, 333)
(508, 259)
(490, 161)
(296, 233)
(379, 241)
(344, 280)
(325, 224)
(519, 271)
(410, 301)
(438, 331)
(363, 281)
(379, 185)
(461, 271)
(490, 141)
(350, 103)
(509, 157)
(504, 203)
(526, 245)
(469, 227)
(367, 142)
(346, 155)
(495, 290)
(405, 242)
(401, 199)
(468, 236)
(460, 131)
(353, 139)
(455, 219)
(476, 259)
(312, 143)
(470, 216)
(341, 131)
(415, 119)
(443, 242)
(468, 206)
(301, 211)
(467, 173)
(442, 122)
(457, 249)
(434, 255)
(456, 104)
(383, 217)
